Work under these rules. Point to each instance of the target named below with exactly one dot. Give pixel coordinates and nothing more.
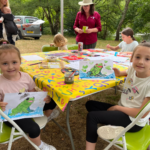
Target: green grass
(30, 45)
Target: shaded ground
(54, 136)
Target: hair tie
(4, 42)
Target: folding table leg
(68, 125)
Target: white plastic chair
(133, 141)
(9, 135)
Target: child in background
(13, 80)
(60, 41)
(9, 26)
(128, 44)
(136, 93)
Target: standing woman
(89, 18)
(4, 3)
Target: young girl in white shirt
(136, 93)
(60, 41)
(128, 44)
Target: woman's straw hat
(85, 2)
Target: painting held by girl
(128, 44)
(14, 81)
(136, 93)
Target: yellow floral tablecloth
(52, 80)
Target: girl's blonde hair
(146, 44)
(59, 40)
(7, 5)
(9, 48)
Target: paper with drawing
(96, 69)
(24, 105)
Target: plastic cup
(85, 28)
(69, 77)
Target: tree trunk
(122, 19)
(54, 25)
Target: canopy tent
(62, 12)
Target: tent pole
(62, 12)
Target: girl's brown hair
(145, 44)
(128, 32)
(1, 6)
(59, 40)
(4, 42)
(9, 48)
(92, 9)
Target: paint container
(80, 46)
(116, 53)
(69, 77)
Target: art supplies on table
(35, 63)
(32, 57)
(76, 72)
(71, 58)
(57, 54)
(96, 70)
(97, 50)
(80, 46)
(24, 105)
(74, 65)
(69, 77)
(51, 65)
(51, 58)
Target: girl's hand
(80, 31)
(108, 46)
(117, 72)
(51, 44)
(113, 108)
(88, 31)
(47, 99)
(3, 105)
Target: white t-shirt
(63, 48)
(128, 47)
(134, 91)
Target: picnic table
(52, 81)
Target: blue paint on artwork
(86, 76)
(32, 113)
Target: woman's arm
(130, 111)
(98, 25)
(23, 25)
(78, 30)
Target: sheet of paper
(102, 54)
(118, 59)
(96, 69)
(38, 22)
(32, 57)
(24, 105)
(74, 65)
(54, 65)
(95, 58)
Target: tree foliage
(115, 14)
